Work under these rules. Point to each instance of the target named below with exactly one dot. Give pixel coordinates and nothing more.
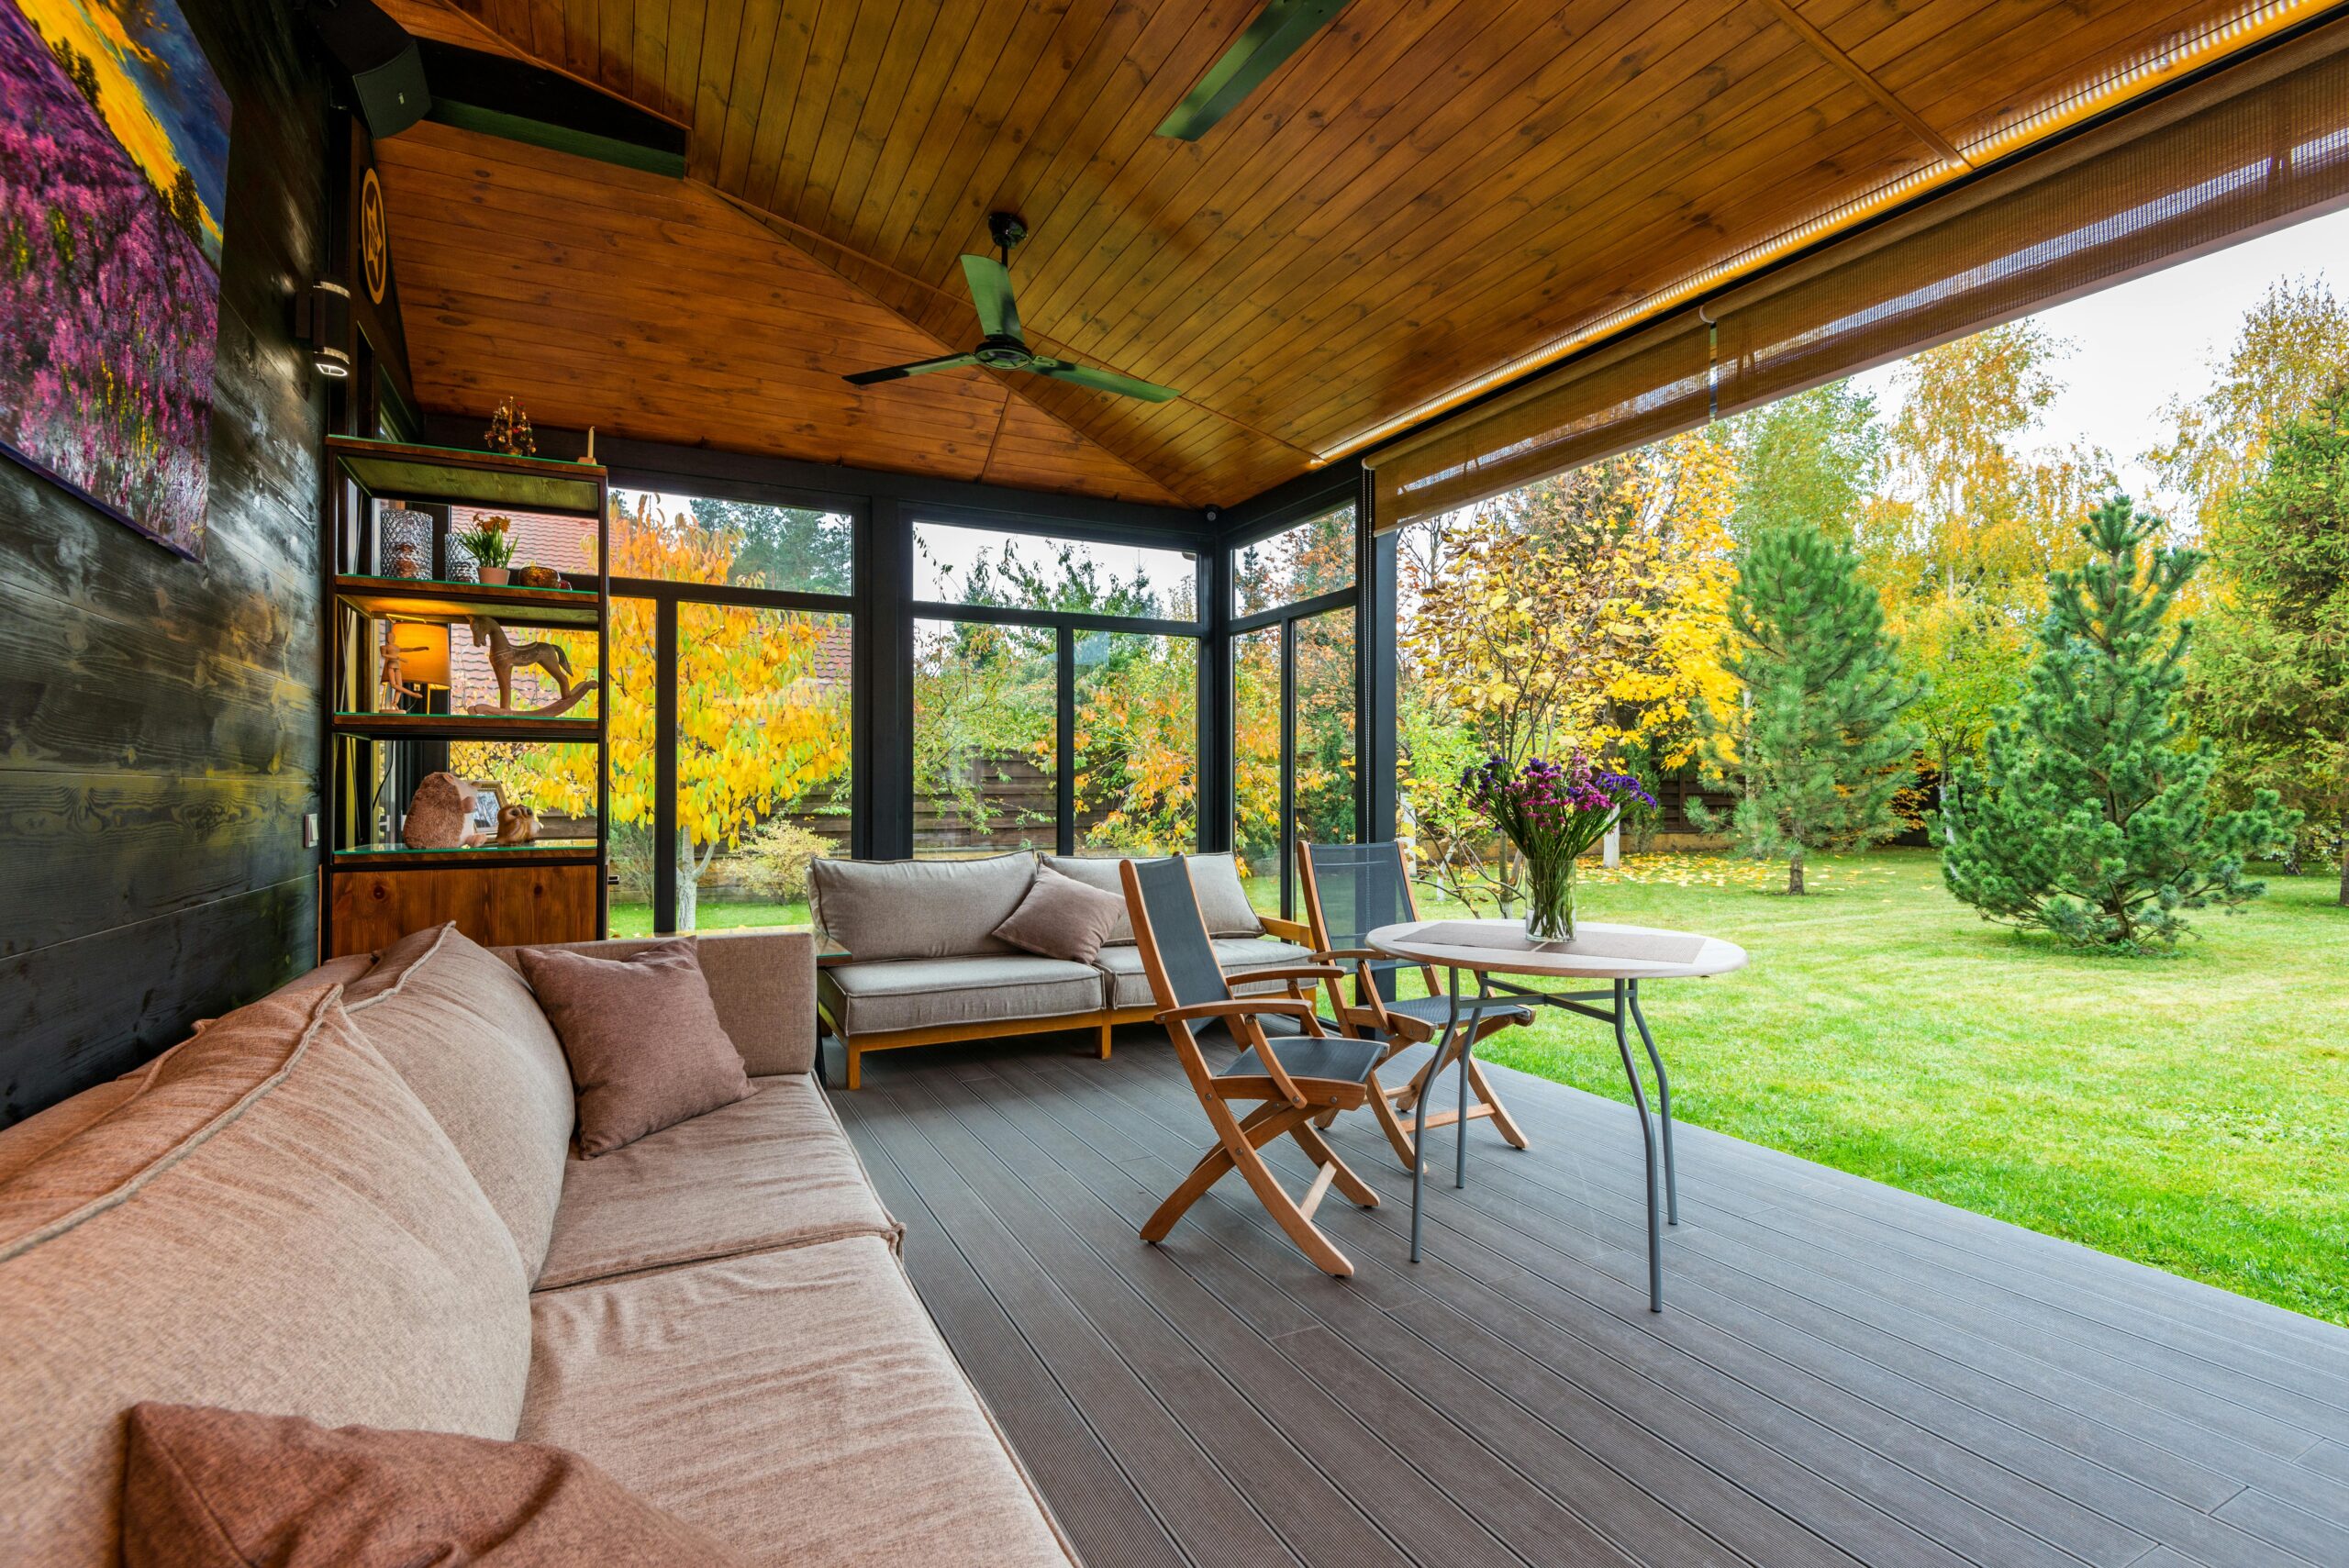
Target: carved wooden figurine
(504, 658)
(517, 824)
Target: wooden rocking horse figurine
(504, 658)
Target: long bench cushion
(466, 1033)
(881, 910)
(1129, 987)
(762, 984)
(797, 1404)
(773, 1171)
(868, 998)
(272, 1221)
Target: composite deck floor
(1844, 1373)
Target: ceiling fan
(1001, 348)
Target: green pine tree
(2090, 816)
(1820, 742)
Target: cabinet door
(496, 906)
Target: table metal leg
(1664, 1105)
(1647, 1140)
(1420, 1110)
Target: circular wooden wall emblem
(374, 244)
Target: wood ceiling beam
(1829, 51)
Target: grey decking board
(1210, 1516)
(1124, 1314)
(2274, 1417)
(1410, 1413)
(2305, 1383)
(1095, 1501)
(1996, 1245)
(1930, 1376)
(1622, 1390)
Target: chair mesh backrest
(1179, 932)
(1359, 888)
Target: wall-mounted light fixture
(322, 320)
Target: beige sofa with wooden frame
(358, 1201)
(914, 959)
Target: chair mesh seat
(1309, 1056)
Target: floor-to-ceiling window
(1055, 694)
(733, 642)
(1294, 699)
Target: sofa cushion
(773, 1171)
(470, 1040)
(762, 984)
(1061, 917)
(1129, 987)
(867, 998)
(797, 1404)
(646, 1049)
(275, 1221)
(881, 910)
(213, 1488)
(1223, 901)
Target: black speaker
(380, 60)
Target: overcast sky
(2135, 347)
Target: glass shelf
(470, 478)
(466, 727)
(420, 599)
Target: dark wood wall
(158, 717)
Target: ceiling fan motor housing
(1002, 353)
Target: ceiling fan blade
(1279, 30)
(918, 367)
(991, 291)
(1103, 381)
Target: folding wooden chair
(1350, 890)
(1284, 1059)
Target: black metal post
(665, 765)
(1064, 743)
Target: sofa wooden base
(854, 1047)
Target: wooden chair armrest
(1352, 956)
(1296, 972)
(1287, 930)
(1238, 1007)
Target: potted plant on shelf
(490, 541)
(1551, 813)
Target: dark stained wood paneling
(496, 906)
(158, 717)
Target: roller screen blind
(2261, 146)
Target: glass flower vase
(1549, 898)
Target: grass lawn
(2190, 1111)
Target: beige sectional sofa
(913, 958)
(355, 1201)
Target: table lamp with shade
(415, 658)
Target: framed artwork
(489, 799)
(114, 166)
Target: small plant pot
(494, 575)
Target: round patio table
(1621, 955)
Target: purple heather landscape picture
(114, 159)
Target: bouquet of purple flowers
(1553, 813)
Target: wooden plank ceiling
(1429, 191)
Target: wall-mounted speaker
(379, 62)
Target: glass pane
(567, 544)
(762, 761)
(694, 539)
(1324, 764)
(974, 566)
(986, 726)
(1316, 556)
(1256, 764)
(1137, 744)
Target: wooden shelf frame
(553, 892)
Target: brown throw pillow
(1061, 917)
(646, 1049)
(209, 1488)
